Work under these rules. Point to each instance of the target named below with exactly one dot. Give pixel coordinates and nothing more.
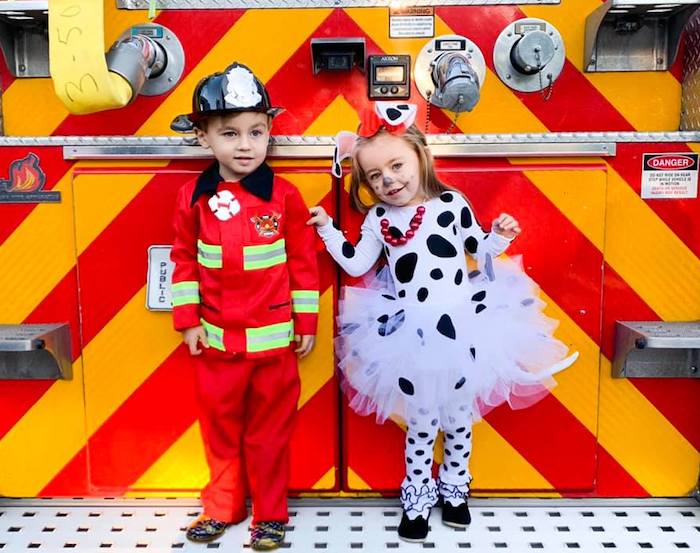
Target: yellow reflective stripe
(209, 255)
(266, 255)
(269, 337)
(185, 293)
(215, 335)
(305, 301)
(209, 248)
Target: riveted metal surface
(344, 526)
(224, 4)
(690, 100)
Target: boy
(245, 287)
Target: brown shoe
(265, 536)
(206, 529)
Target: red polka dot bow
(389, 116)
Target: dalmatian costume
(434, 345)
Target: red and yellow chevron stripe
(126, 423)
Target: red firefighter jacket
(245, 262)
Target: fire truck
(583, 122)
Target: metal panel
(657, 349)
(637, 35)
(315, 150)
(308, 141)
(344, 526)
(690, 98)
(35, 352)
(242, 4)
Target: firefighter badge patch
(224, 205)
(267, 225)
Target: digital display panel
(389, 74)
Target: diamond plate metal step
(340, 525)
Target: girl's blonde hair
(430, 184)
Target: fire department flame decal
(25, 183)
(25, 175)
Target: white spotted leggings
(419, 490)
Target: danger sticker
(670, 176)
(411, 22)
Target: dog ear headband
(394, 118)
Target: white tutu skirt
(398, 358)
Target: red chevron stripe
(144, 426)
(72, 481)
(60, 306)
(112, 268)
(550, 242)
(552, 440)
(6, 78)
(569, 248)
(615, 481)
(128, 444)
(674, 398)
(18, 396)
(51, 162)
(198, 31)
(306, 103)
(680, 215)
(374, 451)
(314, 445)
(110, 254)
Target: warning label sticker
(670, 176)
(411, 22)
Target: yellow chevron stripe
(497, 465)
(327, 481)
(22, 98)
(579, 195)
(642, 440)
(287, 29)
(577, 386)
(496, 98)
(318, 367)
(24, 95)
(625, 91)
(45, 439)
(313, 186)
(99, 198)
(649, 256)
(135, 339)
(183, 466)
(338, 115)
(40, 251)
(355, 481)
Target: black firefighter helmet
(233, 90)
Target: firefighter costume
(245, 269)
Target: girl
(434, 345)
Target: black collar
(258, 183)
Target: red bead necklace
(415, 223)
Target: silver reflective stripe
(263, 256)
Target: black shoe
(457, 517)
(413, 530)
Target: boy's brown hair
(430, 184)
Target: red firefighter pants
(247, 411)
